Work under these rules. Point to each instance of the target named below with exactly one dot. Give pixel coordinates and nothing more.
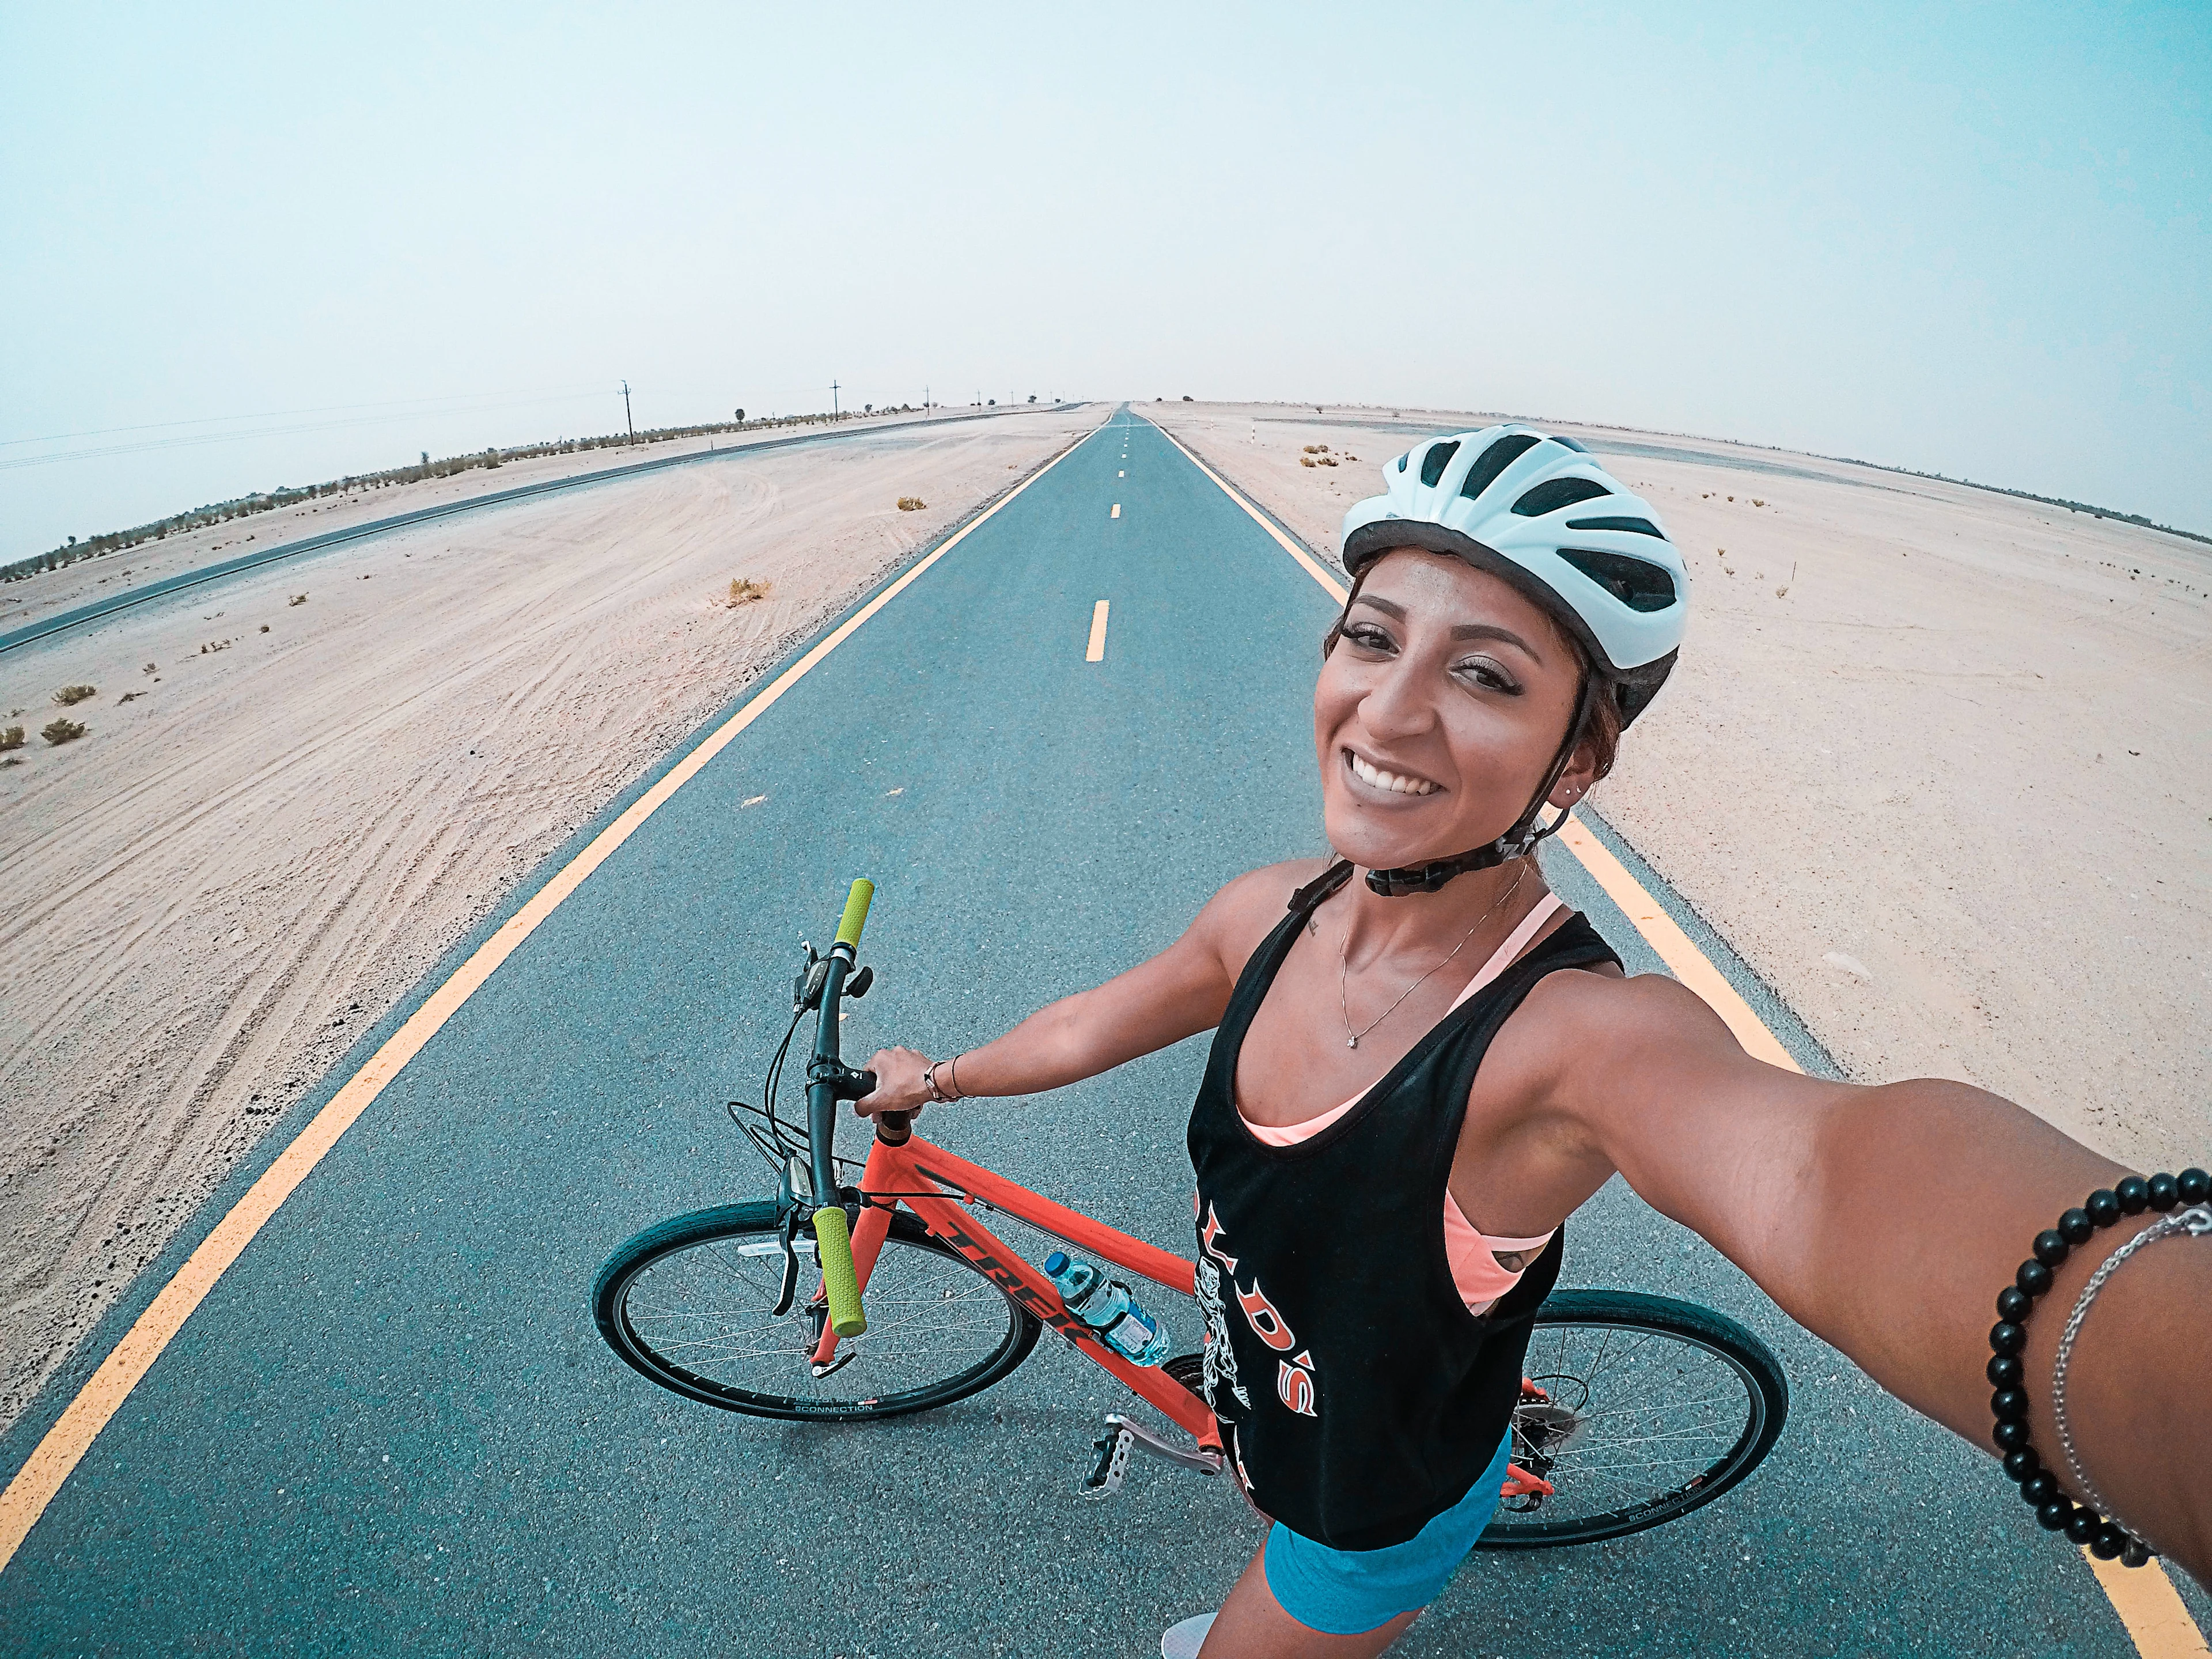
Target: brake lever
(789, 1293)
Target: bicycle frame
(903, 1168)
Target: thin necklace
(1343, 970)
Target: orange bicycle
(1636, 1409)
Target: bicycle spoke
(706, 1311)
(1651, 1415)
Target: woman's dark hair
(1600, 726)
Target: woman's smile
(1386, 783)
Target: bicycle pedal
(1113, 1448)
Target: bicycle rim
(1656, 1408)
(690, 1304)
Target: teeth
(1389, 780)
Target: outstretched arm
(1182, 990)
(1886, 1221)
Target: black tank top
(1359, 1397)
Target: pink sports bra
(1476, 1272)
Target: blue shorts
(1349, 1592)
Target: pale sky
(1967, 239)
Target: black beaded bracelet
(2054, 1511)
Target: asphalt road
(391, 1426)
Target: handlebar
(856, 912)
(832, 1235)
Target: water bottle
(1107, 1307)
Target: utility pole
(626, 422)
(833, 414)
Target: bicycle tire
(1660, 1338)
(735, 1245)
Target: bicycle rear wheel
(691, 1304)
(1654, 1408)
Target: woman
(1418, 1075)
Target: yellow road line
(1096, 650)
(1676, 949)
(2151, 1608)
(2157, 1619)
(66, 1443)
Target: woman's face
(1438, 712)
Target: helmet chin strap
(1516, 842)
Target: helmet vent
(1495, 459)
(1554, 493)
(1637, 583)
(1636, 527)
(1401, 463)
(1434, 463)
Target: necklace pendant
(1351, 1043)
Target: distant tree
(741, 418)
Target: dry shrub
(60, 730)
(297, 598)
(914, 503)
(69, 696)
(1755, 502)
(152, 667)
(11, 738)
(743, 590)
(1305, 460)
(129, 696)
(264, 627)
(1329, 460)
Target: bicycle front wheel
(1649, 1408)
(691, 1304)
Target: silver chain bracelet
(2197, 1220)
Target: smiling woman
(1396, 1194)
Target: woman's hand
(899, 1084)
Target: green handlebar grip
(856, 912)
(833, 1246)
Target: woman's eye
(1490, 676)
(1369, 637)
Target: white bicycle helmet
(1535, 510)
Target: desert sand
(89, 579)
(287, 810)
(1936, 761)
